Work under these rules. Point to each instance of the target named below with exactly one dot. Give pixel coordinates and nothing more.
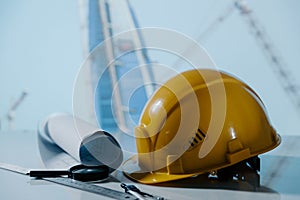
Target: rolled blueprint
(83, 141)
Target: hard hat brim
(133, 172)
(150, 177)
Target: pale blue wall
(40, 49)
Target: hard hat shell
(199, 121)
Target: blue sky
(41, 50)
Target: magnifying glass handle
(48, 173)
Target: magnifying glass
(77, 172)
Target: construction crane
(12, 110)
(206, 33)
(276, 62)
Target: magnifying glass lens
(89, 173)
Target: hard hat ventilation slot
(198, 138)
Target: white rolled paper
(83, 141)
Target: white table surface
(280, 177)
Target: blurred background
(41, 51)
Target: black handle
(48, 173)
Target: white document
(83, 141)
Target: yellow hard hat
(197, 122)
